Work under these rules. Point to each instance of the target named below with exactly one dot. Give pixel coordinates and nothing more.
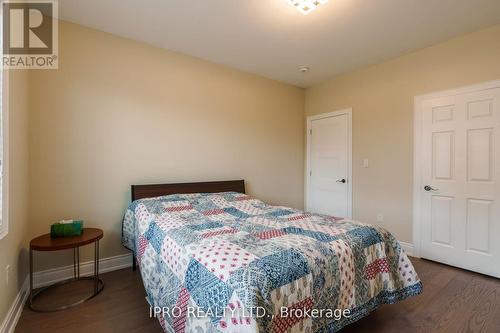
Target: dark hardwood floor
(120, 307)
(453, 300)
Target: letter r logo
(27, 27)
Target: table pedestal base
(100, 287)
(98, 283)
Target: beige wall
(13, 246)
(118, 112)
(382, 100)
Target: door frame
(417, 151)
(309, 121)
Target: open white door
(328, 178)
(458, 162)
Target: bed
(214, 259)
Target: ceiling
(273, 39)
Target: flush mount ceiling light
(306, 6)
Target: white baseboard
(50, 276)
(408, 247)
(12, 317)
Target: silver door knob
(343, 181)
(430, 188)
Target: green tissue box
(66, 229)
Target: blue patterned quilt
(227, 262)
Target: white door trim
(309, 120)
(417, 137)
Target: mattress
(227, 262)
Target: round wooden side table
(47, 243)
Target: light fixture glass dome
(306, 6)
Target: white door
(329, 164)
(460, 180)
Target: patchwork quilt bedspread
(227, 262)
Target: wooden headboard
(156, 190)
